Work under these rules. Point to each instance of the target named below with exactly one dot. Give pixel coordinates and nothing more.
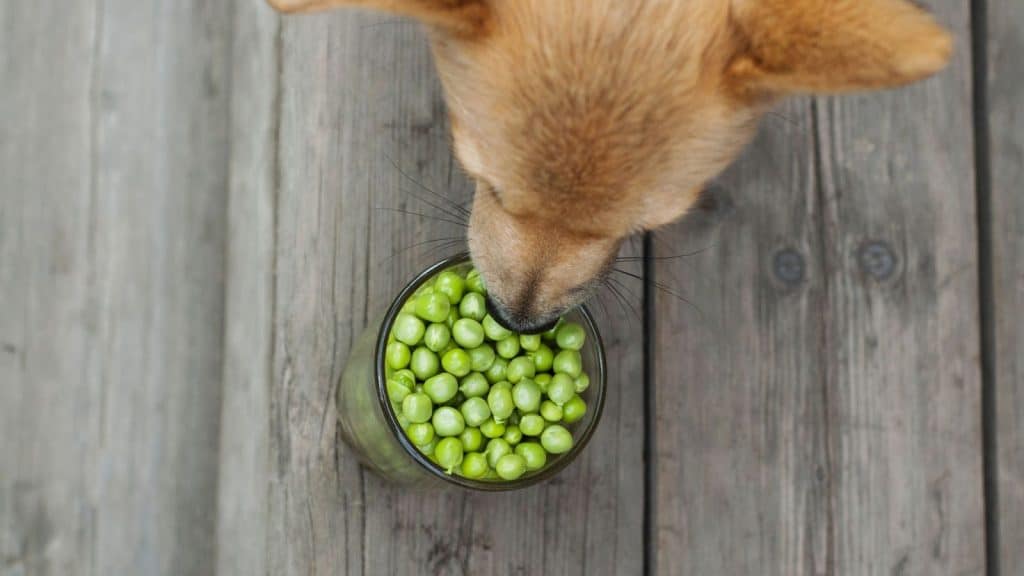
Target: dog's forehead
(582, 93)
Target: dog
(583, 122)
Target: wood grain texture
(112, 202)
(904, 381)
(866, 457)
(1006, 147)
(249, 315)
(359, 101)
(740, 440)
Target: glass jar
(370, 426)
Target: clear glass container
(370, 427)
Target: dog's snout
(518, 320)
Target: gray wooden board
(1006, 148)
(356, 92)
(740, 440)
(833, 426)
(245, 417)
(112, 200)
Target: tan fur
(584, 121)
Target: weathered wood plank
(865, 457)
(902, 341)
(112, 204)
(740, 439)
(358, 91)
(1006, 146)
(249, 316)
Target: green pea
(526, 396)
(492, 429)
(417, 407)
(433, 307)
(556, 439)
(453, 317)
(543, 357)
(428, 449)
(424, 363)
(408, 329)
(512, 435)
(493, 330)
(474, 385)
(475, 282)
(473, 306)
(500, 401)
(496, 448)
(405, 376)
(550, 411)
(508, 348)
(409, 307)
(456, 361)
(568, 362)
(529, 342)
(574, 410)
(570, 336)
(511, 467)
(533, 454)
(471, 439)
(420, 434)
(468, 333)
(532, 424)
(543, 380)
(403, 422)
(397, 390)
(519, 368)
(437, 337)
(475, 411)
(582, 383)
(448, 453)
(561, 389)
(451, 285)
(441, 388)
(397, 355)
(497, 371)
(481, 357)
(552, 334)
(448, 422)
(474, 465)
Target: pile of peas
(477, 399)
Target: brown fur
(584, 121)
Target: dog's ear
(829, 46)
(460, 16)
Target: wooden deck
(202, 204)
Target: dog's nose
(518, 321)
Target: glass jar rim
(422, 460)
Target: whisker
(443, 247)
(604, 309)
(423, 243)
(622, 285)
(619, 287)
(619, 299)
(422, 215)
(662, 258)
(662, 287)
(457, 216)
(424, 186)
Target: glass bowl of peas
(437, 394)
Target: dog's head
(585, 121)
